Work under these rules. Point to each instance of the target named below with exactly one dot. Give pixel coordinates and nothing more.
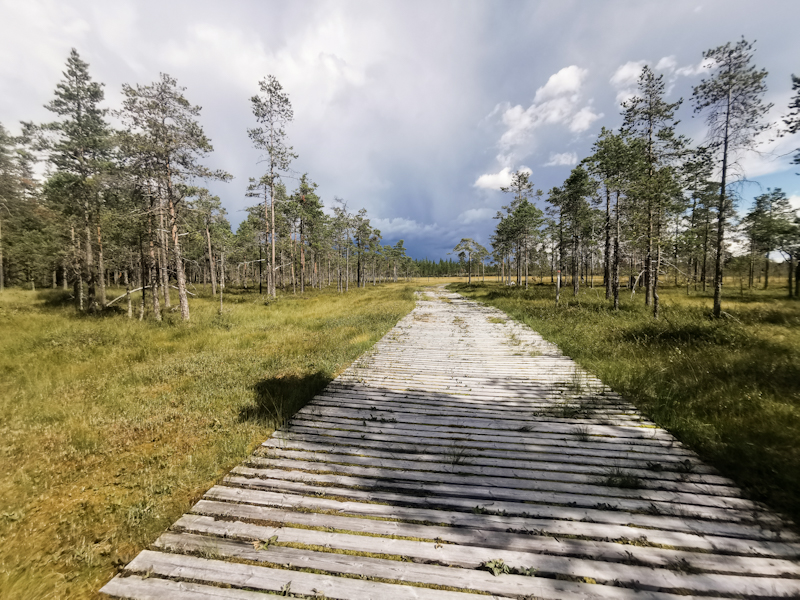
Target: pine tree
(164, 131)
(79, 153)
(792, 120)
(731, 99)
(273, 111)
(649, 118)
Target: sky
(417, 111)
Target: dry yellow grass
(113, 428)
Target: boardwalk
(465, 454)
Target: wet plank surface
(464, 456)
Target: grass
(112, 428)
(616, 477)
(729, 388)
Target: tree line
(649, 204)
(123, 206)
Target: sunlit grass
(111, 428)
(730, 388)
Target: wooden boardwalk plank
(459, 442)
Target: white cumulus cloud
(667, 63)
(583, 119)
(625, 79)
(494, 181)
(563, 159)
(567, 81)
(557, 102)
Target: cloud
(567, 81)
(772, 155)
(668, 63)
(693, 70)
(563, 159)
(626, 78)
(475, 215)
(795, 202)
(494, 181)
(557, 102)
(400, 226)
(583, 119)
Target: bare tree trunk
(89, 260)
(657, 265)
(222, 278)
(272, 211)
(163, 247)
(648, 264)
(141, 278)
(607, 261)
(152, 271)
(575, 265)
(211, 266)
(797, 280)
(616, 257)
(721, 218)
(101, 268)
(176, 250)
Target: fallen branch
(147, 287)
(187, 291)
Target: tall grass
(112, 428)
(729, 388)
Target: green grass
(112, 428)
(729, 388)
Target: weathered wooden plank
(592, 549)
(603, 513)
(280, 580)
(551, 448)
(457, 454)
(494, 424)
(490, 522)
(513, 585)
(569, 458)
(473, 557)
(540, 488)
(520, 434)
(461, 464)
(140, 587)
